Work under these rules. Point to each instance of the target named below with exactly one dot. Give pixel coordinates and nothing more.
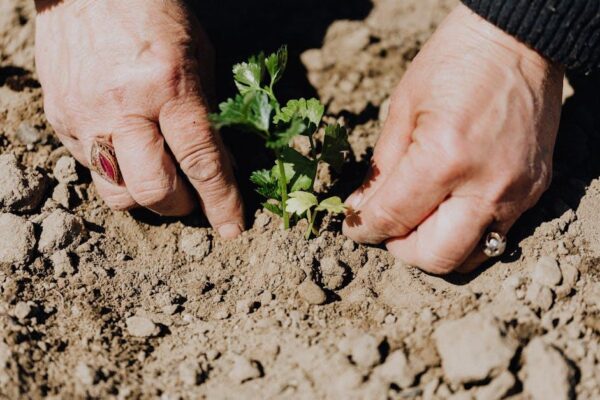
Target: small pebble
(84, 374)
(22, 310)
(142, 327)
(333, 273)
(196, 243)
(546, 272)
(365, 351)
(62, 263)
(17, 239)
(312, 293)
(65, 170)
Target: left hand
(466, 149)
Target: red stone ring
(104, 161)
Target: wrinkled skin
(467, 147)
(136, 72)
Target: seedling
(289, 185)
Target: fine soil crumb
(244, 370)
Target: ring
(104, 161)
(494, 244)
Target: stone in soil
(333, 273)
(85, 375)
(396, 370)
(21, 190)
(311, 292)
(142, 327)
(65, 170)
(473, 348)
(17, 239)
(63, 195)
(61, 230)
(22, 310)
(244, 370)
(546, 373)
(196, 243)
(365, 351)
(539, 297)
(546, 272)
(63, 264)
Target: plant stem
(311, 224)
(284, 193)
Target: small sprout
(301, 203)
(289, 185)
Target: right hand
(133, 72)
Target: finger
(445, 239)
(391, 146)
(148, 170)
(477, 256)
(412, 191)
(115, 196)
(202, 157)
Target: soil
(102, 304)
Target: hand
(133, 71)
(467, 147)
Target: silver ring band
(494, 244)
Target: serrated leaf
(282, 139)
(251, 111)
(266, 185)
(276, 64)
(335, 144)
(311, 110)
(300, 202)
(275, 209)
(248, 76)
(305, 169)
(333, 205)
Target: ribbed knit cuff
(565, 31)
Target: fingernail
(355, 200)
(229, 231)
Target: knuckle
(119, 201)
(388, 220)
(450, 150)
(150, 193)
(203, 164)
(435, 263)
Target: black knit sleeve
(565, 31)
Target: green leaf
(248, 76)
(276, 64)
(335, 145)
(282, 139)
(333, 205)
(251, 111)
(305, 169)
(300, 202)
(311, 110)
(288, 170)
(275, 209)
(266, 184)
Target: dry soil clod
(17, 239)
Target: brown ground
(246, 319)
